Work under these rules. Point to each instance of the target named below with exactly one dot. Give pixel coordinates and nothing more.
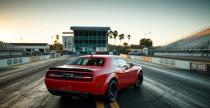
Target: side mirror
(131, 64)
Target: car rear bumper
(69, 87)
(68, 93)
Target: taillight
(70, 76)
(54, 75)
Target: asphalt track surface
(163, 87)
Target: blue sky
(39, 20)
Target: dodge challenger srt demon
(99, 75)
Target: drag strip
(162, 87)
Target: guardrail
(181, 64)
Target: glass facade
(85, 40)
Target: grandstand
(201, 38)
(197, 44)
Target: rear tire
(139, 82)
(112, 91)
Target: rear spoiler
(71, 69)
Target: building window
(81, 33)
(76, 41)
(76, 33)
(94, 33)
(103, 33)
(86, 33)
(86, 41)
(90, 42)
(90, 33)
(94, 41)
(80, 41)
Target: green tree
(125, 44)
(145, 43)
(133, 46)
(57, 45)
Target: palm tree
(115, 34)
(129, 37)
(110, 35)
(121, 37)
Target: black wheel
(139, 81)
(112, 91)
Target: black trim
(68, 93)
(71, 69)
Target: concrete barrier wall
(26, 60)
(172, 62)
(124, 55)
(55, 55)
(22, 60)
(182, 64)
(133, 57)
(169, 62)
(139, 58)
(3, 63)
(44, 57)
(200, 66)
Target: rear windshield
(86, 61)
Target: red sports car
(100, 75)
